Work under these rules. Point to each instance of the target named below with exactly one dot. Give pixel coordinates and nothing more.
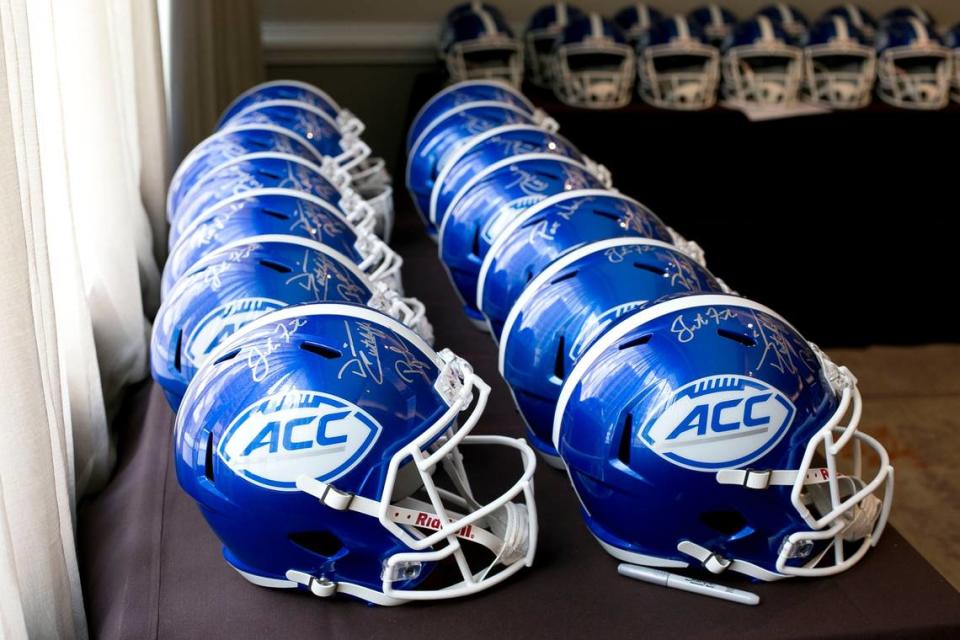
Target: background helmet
(840, 65)
(677, 68)
(594, 65)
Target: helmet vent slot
(279, 215)
(726, 522)
(270, 174)
(261, 144)
(559, 363)
(276, 266)
(745, 340)
(626, 437)
(603, 213)
(652, 268)
(475, 247)
(228, 356)
(322, 543)
(636, 342)
(208, 458)
(320, 350)
(535, 221)
(565, 276)
(179, 350)
(547, 175)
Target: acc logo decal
(221, 323)
(719, 422)
(280, 438)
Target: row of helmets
(314, 419)
(775, 58)
(698, 427)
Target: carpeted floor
(912, 405)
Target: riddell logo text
(430, 521)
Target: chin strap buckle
(715, 563)
(756, 478)
(320, 587)
(327, 494)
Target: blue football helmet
(594, 65)
(476, 43)
(760, 66)
(473, 7)
(572, 302)
(223, 146)
(345, 149)
(462, 93)
(489, 201)
(635, 20)
(856, 16)
(839, 65)
(298, 92)
(952, 41)
(541, 234)
(263, 171)
(705, 431)
(913, 66)
(243, 280)
(676, 67)
(543, 29)
(908, 12)
(793, 23)
(716, 23)
(322, 444)
(285, 212)
(491, 146)
(444, 136)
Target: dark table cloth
(152, 568)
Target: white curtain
(84, 163)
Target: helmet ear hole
(322, 543)
(729, 523)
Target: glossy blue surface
(224, 146)
(281, 90)
(247, 174)
(320, 130)
(904, 33)
(232, 287)
(484, 150)
(716, 22)
(825, 32)
(293, 365)
(444, 137)
(463, 93)
(905, 13)
(547, 17)
(540, 236)
(470, 25)
(635, 19)
(642, 500)
(788, 18)
(855, 16)
(750, 33)
(582, 30)
(564, 310)
(473, 222)
(257, 214)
